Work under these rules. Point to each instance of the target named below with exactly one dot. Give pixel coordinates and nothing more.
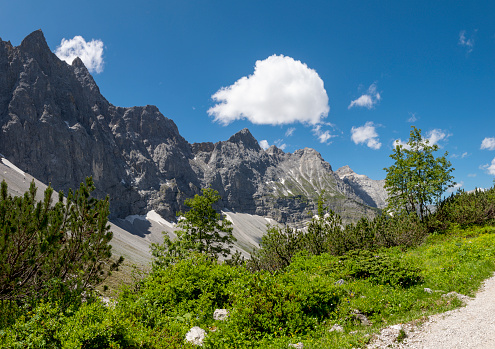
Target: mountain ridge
(58, 127)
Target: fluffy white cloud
(490, 168)
(463, 41)
(323, 136)
(368, 100)
(412, 118)
(488, 143)
(367, 135)
(91, 53)
(264, 144)
(281, 90)
(289, 131)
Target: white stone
(220, 314)
(196, 336)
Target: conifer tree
(202, 230)
(48, 249)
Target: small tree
(59, 249)
(202, 229)
(417, 178)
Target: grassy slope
(456, 261)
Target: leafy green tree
(48, 249)
(202, 229)
(417, 178)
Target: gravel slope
(472, 326)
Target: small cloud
(488, 143)
(462, 156)
(368, 100)
(455, 187)
(436, 135)
(289, 131)
(264, 144)
(366, 134)
(412, 117)
(280, 91)
(280, 144)
(91, 53)
(465, 42)
(490, 169)
(323, 136)
(399, 142)
(471, 175)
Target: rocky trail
(472, 326)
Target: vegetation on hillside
(53, 250)
(296, 288)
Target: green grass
(299, 304)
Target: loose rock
(220, 314)
(196, 336)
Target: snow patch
(227, 216)
(12, 166)
(133, 217)
(153, 216)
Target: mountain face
(371, 191)
(57, 126)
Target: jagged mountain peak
(35, 42)
(78, 63)
(58, 127)
(344, 171)
(245, 137)
(274, 150)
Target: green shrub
(464, 209)
(380, 269)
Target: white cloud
(264, 144)
(490, 169)
(366, 134)
(290, 131)
(462, 156)
(368, 100)
(488, 143)
(398, 142)
(280, 91)
(412, 118)
(436, 135)
(455, 187)
(280, 144)
(323, 136)
(91, 53)
(463, 41)
(471, 175)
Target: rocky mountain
(59, 128)
(371, 191)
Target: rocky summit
(58, 127)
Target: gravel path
(472, 326)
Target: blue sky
(346, 78)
